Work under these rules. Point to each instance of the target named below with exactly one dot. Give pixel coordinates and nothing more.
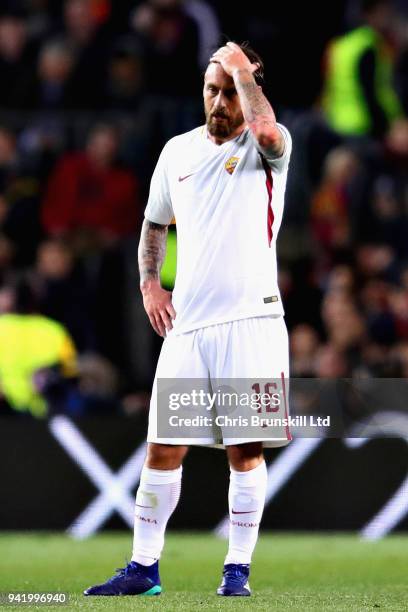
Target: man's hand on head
(233, 59)
(256, 109)
(157, 303)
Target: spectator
(51, 86)
(170, 38)
(341, 280)
(359, 98)
(330, 217)
(89, 196)
(345, 327)
(376, 260)
(84, 31)
(98, 385)
(62, 292)
(125, 82)
(304, 343)
(35, 346)
(93, 203)
(330, 363)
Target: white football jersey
(228, 203)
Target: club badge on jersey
(230, 164)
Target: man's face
(221, 104)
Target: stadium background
(90, 91)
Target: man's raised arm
(257, 111)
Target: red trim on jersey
(269, 187)
(288, 434)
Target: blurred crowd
(91, 90)
(347, 288)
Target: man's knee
(165, 456)
(244, 457)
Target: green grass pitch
(289, 572)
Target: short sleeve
(159, 208)
(281, 163)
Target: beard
(224, 128)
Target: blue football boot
(134, 579)
(235, 581)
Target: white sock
(156, 499)
(246, 499)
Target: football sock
(156, 499)
(246, 499)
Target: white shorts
(243, 352)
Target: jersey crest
(230, 164)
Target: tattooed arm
(258, 114)
(156, 300)
(257, 111)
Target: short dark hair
(254, 58)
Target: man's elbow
(270, 140)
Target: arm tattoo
(258, 112)
(152, 249)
